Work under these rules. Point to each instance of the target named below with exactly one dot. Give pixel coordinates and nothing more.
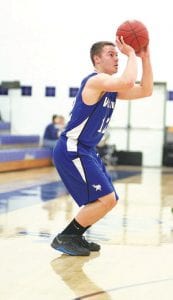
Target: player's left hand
(144, 52)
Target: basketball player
(75, 158)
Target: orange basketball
(134, 33)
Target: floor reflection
(24, 197)
(68, 266)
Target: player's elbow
(148, 94)
(148, 91)
(131, 83)
(128, 84)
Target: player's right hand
(123, 47)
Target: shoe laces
(85, 242)
(81, 240)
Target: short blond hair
(97, 48)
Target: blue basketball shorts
(83, 173)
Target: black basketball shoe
(70, 244)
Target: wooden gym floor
(136, 237)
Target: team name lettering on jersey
(108, 103)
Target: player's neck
(98, 70)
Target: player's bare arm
(145, 87)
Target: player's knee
(109, 201)
(112, 202)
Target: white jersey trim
(79, 167)
(73, 134)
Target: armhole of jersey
(100, 99)
(81, 90)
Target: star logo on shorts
(97, 187)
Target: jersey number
(104, 125)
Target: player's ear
(96, 59)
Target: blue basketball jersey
(75, 158)
(88, 122)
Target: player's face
(109, 60)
